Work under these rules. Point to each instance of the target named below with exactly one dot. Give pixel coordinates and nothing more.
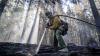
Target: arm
(48, 24)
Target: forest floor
(17, 49)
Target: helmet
(49, 14)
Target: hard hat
(49, 14)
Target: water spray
(38, 47)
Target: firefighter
(59, 28)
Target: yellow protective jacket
(55, 22)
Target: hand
(46, 26)
(51, 28)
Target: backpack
(64, 26)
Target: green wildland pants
(58, 39)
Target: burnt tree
(96, 15)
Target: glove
(47, 25)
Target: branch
(78, 20)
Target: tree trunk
(96, 15)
